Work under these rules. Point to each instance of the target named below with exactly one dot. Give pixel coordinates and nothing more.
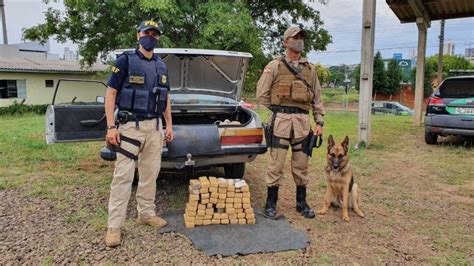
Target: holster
(268, 131)
(311, 142)
(308, 144)
(128, 154)
(122, 117)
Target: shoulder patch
(115, 69)
(267, 70)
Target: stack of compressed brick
(218, 201)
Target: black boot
(301, 205)
(270, 206)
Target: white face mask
(296, 45)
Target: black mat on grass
(265, 236)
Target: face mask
(148, 42)
(296, 45)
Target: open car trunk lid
(205, 72)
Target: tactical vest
(145, 89)
(288, 90)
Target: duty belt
(287, 110)
(125, 116)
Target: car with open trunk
(211, 127)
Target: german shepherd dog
(340, 180)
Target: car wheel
(431, 138)
(234, 171)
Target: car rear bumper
(450, 131)
(444, 124)
(226, 155)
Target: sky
(342, 18)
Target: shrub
(19, 109)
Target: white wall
(38, 93)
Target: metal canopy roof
(407, 10)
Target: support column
(366, 71)
(440, 53)
(420, 71)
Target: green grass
(339, 96)
(333, 96)
(73, 177)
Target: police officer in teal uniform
(139, 87)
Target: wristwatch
(110, 127)
(320, 123)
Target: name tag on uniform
(137, 79)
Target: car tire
(234, 171)
(431, 138)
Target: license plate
(464, 111)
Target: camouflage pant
(299, 162)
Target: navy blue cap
(149, 25)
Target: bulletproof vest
(145, 89)
(288, 90)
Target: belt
(287, 109)
(138, 118)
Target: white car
(211, 128)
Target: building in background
(469, 55)
(29, 74)
(33, 81)
(405, 64)
(34, 50)
(448, 48)
(70, 55)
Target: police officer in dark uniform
(139, 87)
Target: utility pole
(4, 22)
(366, 71)
(440, 53)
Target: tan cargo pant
(299, 163)
(149, 163)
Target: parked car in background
(211, 126)
(450, 109)
(390, 107)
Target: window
(12, 89)
(49, 83)
(8, 89)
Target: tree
(356, 77)
(323, 73)
(450, 62)
(337, 77)
(339, 74)
(101, 26)
(393, 77)
(379, 75)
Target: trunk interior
(212, 117)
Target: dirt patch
(410, 217)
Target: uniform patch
(151, 23)
(137, 79)
(164, 79)
(115, 69)
(267, 70)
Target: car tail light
(436, 106)
(435, 101)
(241, 136)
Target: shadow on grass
(456, 141)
